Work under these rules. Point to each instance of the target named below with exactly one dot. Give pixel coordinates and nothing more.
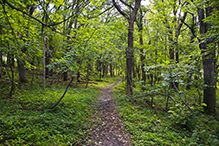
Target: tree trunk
(171, 54)
(12, 60)
(103, 69)
(88, 72)
(152, 79)
(1, 61)
(111, 70)
(22, 71)
(12, 74)
(208, 63)
(65, 76)
(99, 64)
(140, 28)
(138, 72)
(78, 76)
(44, 58)
(32, 71)
(189, 75)
(142, 68)
(47, 63)
(129, 58)
(129, 50)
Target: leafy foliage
(155, 126)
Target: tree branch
(126, 4)
(191, 30)
(47, 25)
(120, 11)
(134, 12)
(101, 12)
(180, 25)
(24, 13)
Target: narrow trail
(108, 129)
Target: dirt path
(108, 129)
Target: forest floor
(108, 129)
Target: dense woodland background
(56, 54)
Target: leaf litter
(108, 129)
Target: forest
(109, 72)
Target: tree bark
(129, 50)
(88, 72)
(44, 58)
(22, 71)
(12, 74)
(111, 70)
(208, 54)
(171, 54)
(189, 75)
(129, 58)
(103, 69)
(106, 70)
(1, 61)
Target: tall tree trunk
(142, 56)
(189, 75)
(171, 47)
(111, 69)
(22, 71)
(129, 58)
(138, 72)
(47, 63)
(129, 50)
(44, 58)
(99, 67)
(103, 69)
(21, 63)
(65, 76)
(208, 54)
(106, 70)
(12, 60)
(171, 53)
(1, 63)
(88, 72)
(12, 74)
(51, 49)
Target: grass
(26, 117)
(153, 125)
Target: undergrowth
(27, 120)
(26, 117)
(154, 125)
